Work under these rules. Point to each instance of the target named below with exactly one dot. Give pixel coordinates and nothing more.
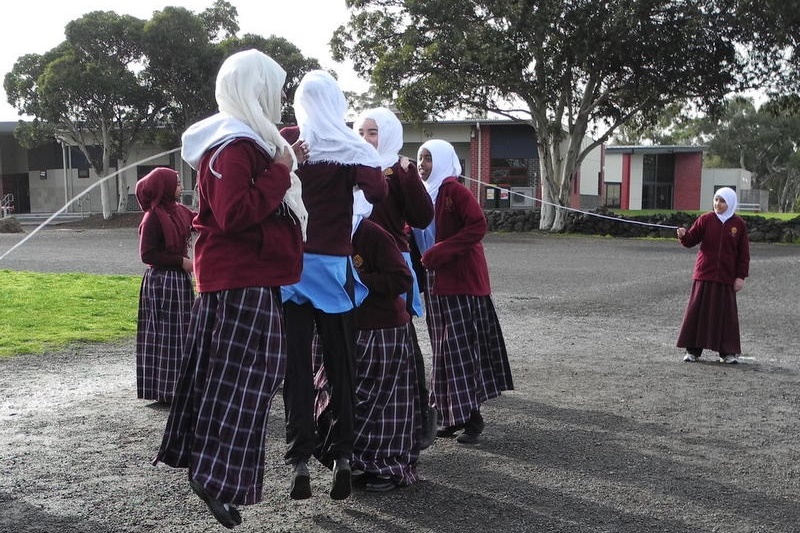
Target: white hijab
(362, 209)
(445, 164)
(390, 133)
(729, 195)
(320, 108)
(249, 86)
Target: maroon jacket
(407, 203)
(246, 238)
(384, 271)
(724, 248)
(328, 197)
(152, 246)
(457, 257)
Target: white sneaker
(689, 358)
(729, 359)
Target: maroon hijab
(155, 193)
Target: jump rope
(588, 213)
(467, 178)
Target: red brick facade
(688, 174)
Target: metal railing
(6, 205)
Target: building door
(658, 178)
(17, 185)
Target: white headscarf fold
(729, 195)
(362, 209)
(390, 133)
(445, 164)
(320, 108)
(249, 86)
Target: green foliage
(569, 69)
(49, 311)
(288, 56)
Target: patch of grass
(40, 312)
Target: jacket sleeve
(417, 202)
(371, 181)
(462, 209)
(694, 234)
(743, 259)
(250, 189)
(388, 273)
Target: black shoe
(221, 512)
(358, 478)
(475, 424)
(377, 483)
(468, 438)
(449, 431)
(341, 487)
(301, 482)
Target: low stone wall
(759, 229)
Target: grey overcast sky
(36, 26)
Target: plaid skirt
(469, 362)
(711, 320)
(387, 410)
(165, 305)
(235, 362)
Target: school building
(499, 159)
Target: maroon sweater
(246, 237)
(152, 246)
(457, 257)
(383, 270)
(724, 248)
(328, 197)
(407, 203)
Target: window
(613, 193)
(516, 172)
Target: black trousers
(337, 339)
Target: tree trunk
(105, 198)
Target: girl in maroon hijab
(166, 295)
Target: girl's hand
(301, 150)
(738, 284)
(284, 157)
(681, 232)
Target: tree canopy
(571, 69)
(117, 80)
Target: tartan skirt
(387, 411)
(234, 364)
(711, 319)
(469, 362)
(165, 305)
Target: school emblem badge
(358, 261)
(734, 231)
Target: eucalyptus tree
(571, 69)
(764, 140)
(89, 91)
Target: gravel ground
(607, 431)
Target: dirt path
(607, 431)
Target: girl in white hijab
(729, 195)
(469, 358)
(250, 243)
(389, 134)
(321, 109)
(711, 319)
(445, 164)
(324, 299)
(249, 100)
